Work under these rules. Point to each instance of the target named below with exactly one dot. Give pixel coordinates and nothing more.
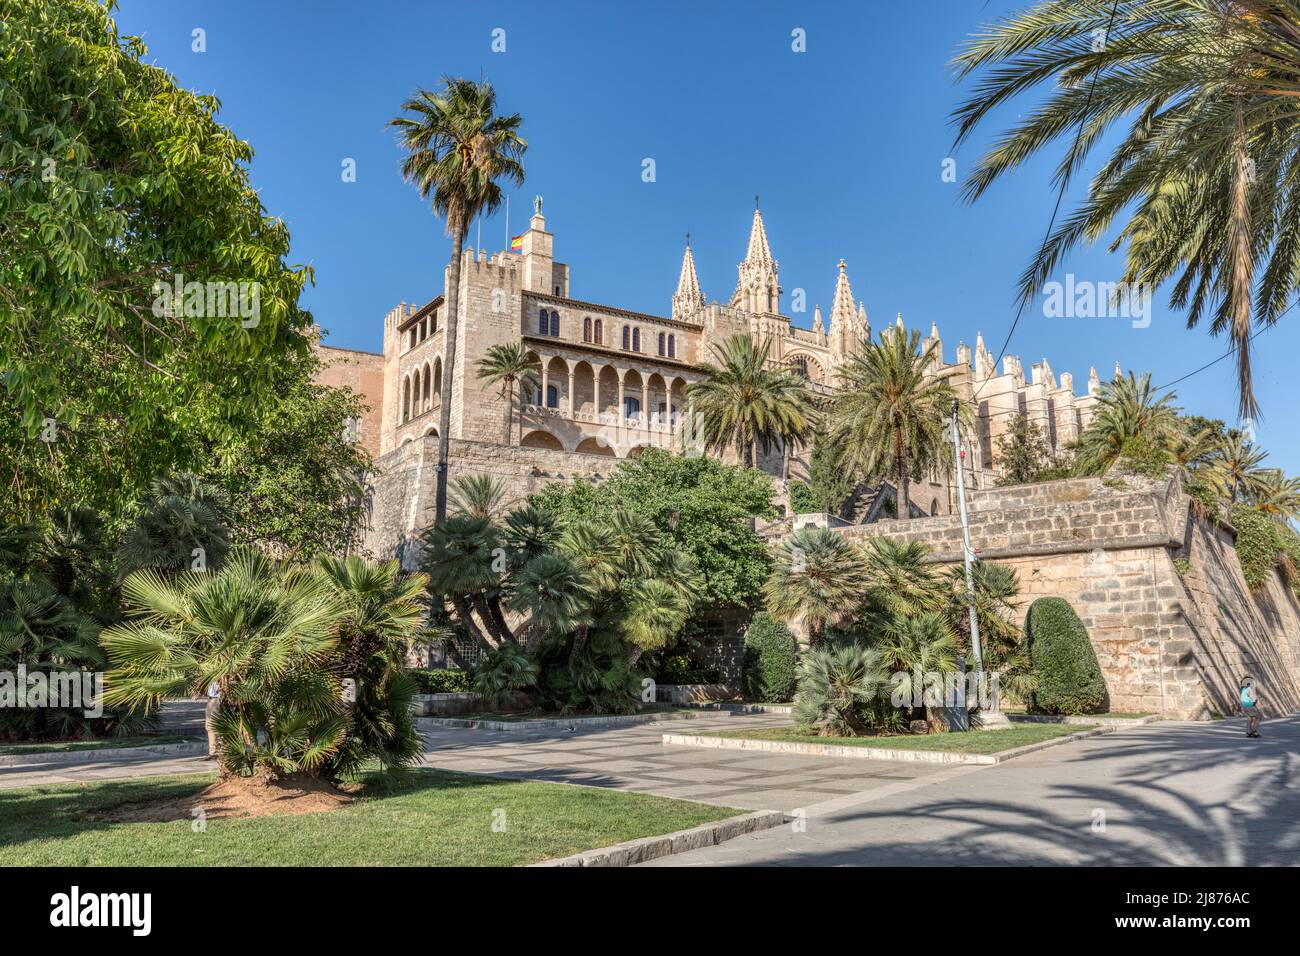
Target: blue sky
(845, 143)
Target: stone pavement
(633, 758)
(1165, 794)
(108, 768)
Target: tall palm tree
(1128, 408)
(457, 149)
(744, 402)
(818, 576)
(504, 365)
(889, 412)
(1204, 170)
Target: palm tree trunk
(904, 508)
(634, 655)
(465, 615)
(1242, 277)
(499, 619)
(448, 369)
(578, 646)
(510, 411)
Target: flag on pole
(517, 243)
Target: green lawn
(971, 742)
(102, 743)
(431, 818)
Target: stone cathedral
(611, 381)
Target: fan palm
(382, 609)
(1206, 167)
(889, 412)
(462, 559)
(1277, 496)
(817, 576)
(900, 583)
(504, 365)
(835, 685)
(183, 524)
(741, 401)
(1128, 408)
(914, 648)
(457, 149)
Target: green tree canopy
(115, 185)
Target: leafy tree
(1200, 182)
(1277, 496)
(115, 185)
(703, 506)
(889, 412)
(1235, 469)
(505, 365)
(1065, 666)
(1024, 454)
(817, 577)
(457, 150)
(744, 402)
(293, 484)
(830, 479)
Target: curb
(563, 723)
(652, 848)
(747, 708)
(1100, 720)
(184, 749)
(873, 753)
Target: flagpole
(507, 222)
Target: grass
(970, 742)
(426, 818)
(102, 743)
(1127, 714)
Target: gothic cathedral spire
(844, 325)
(688, 299)
(757, 289)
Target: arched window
(672, 345)
(433, 323)
(555, 323)
(800, 366)
(934, 507)
(552, 397)
(627, 337)
(586, 329)
(636, 340)
(598, 335)
(406, 398)
(543, 323)
(631, 406)
(663, 343)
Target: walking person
(1250, 706)
(210, 711)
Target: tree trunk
(499, 619)
(465, 615)
(448, 370)
(510, 412)
(634, 655)
(578, 646)
(1241, 280)
(904, 490)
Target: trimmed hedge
(1061, 656)
(768, 670)
(450, 681)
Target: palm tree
(478, 496)
(1235, 470)
(382, 609)
(816, 575)
(1204, 169)
(889, 412)
(1128, 409)
(504, 365)
(183, 524)
(900, 584)
(1277, 495)
(457, 149)
(741, 401)
(835, 685)
(913, 647)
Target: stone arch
(592, 446)
(540, 438)
(530, 388)
(632, 382)
(660, 409)
(426, 397)
(431, 430)
(437, 380)
(607, 395)
(557, 378)
(934, 507)
(406, 398)
(636, 452)
(804, 364)
(584, 388)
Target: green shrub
(678, 669)
(1205, 500)
(1142, 457)
(1061, 656)
(449, 681)
(503, 674)
(841, 690)
(768, 670)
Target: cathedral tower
(757, 289)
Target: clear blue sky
(844, 143)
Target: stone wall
(1170, 643)
(363, 373)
